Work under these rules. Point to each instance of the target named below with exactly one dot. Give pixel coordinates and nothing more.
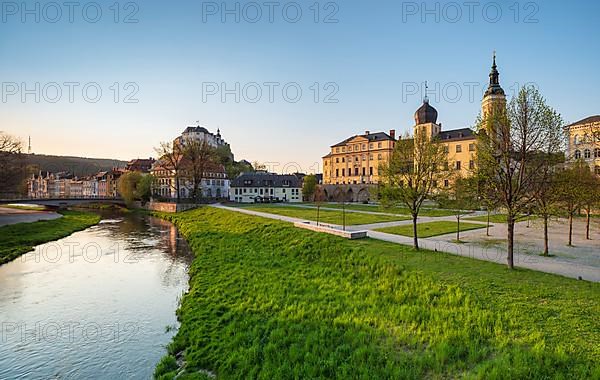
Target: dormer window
(286, 183)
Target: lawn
(270, 301)
(17, 239)
(325, 216)
(390, 210)
(430, 229)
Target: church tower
(494, 98)
(426, 119)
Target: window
(577, 154)
(337, 160)
(471, 164)
(379, 156)
(364, 171)
(435, 183)
(379, 145)
(350, 148)
(576, 140)
(371, 170)
(343, 149)
(597, 170)
(458, 148)
(371, 146)
(364, 158)
(355, 171)
(446, 166)
(337, 172)
(587, 153)
(597, 153)
(446, 149)
(343, 172)
(364, 146)
(446, 183)
(370, 156)
(457, 165)
(356, 158)
(337, 150)
(343, 159)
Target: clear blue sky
(374, 54)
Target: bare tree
(509, 147)
(12, 166)
(415, 166)
(461, 197)
(199, 157)
(591, 199)
(319, 197)
(171, 155)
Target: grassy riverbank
(268, 301)
(17, 239)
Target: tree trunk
(570, 229)
(487, 228)
(511, 241)
(587, 224)
(415, 237)
(545, 235)
(458, 228)
(177, 187)
(318, 216)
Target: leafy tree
(12, 165)
(144, 188)
(591, 199)
(127, 186)
(415, 166)
(509, 147)
(171, 155)
(461, 197)
(199, 157)
(571, 190)
(309, 186)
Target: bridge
(61, 202)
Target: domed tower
(426, 119)
(494, 98)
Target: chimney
(393, 133)
(367, 132)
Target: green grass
(430, 229)
(325, 216)
(270, 301)
(26, 207)
(17, 239)
(390, 210)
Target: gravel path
(14, 216)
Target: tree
(591, 199)
(509, 144)
(12, 166)
(199, 156)
(548, 158)
(409, 176)
(571, 190)
(309, 186)
(127, 186)
(171, 155)
(319, 198)
(461, 197)
(144, 188)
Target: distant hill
(79, 166)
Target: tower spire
(426, 99)
(494, 86)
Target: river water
(99, 304)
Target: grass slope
(17, 239)
(430, 229)
(269, 301)
(325, 216)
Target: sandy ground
(13, 216)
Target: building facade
(357, 159)
(214, 183)
(261, 187)
(584, 142)
(200, 133)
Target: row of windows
(356, 158)
(586, 138)
(587, 153)
(358, 147)
(261, 191)
(459, 148)
(356, 172)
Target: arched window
(577, 154)
(587, 154)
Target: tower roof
(426, 113)
(494, 86)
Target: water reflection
(95, 304)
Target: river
(99, 304)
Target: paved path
(14, 216)
(443, 243)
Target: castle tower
(494, 98)
(426, 119)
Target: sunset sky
(370, 61)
